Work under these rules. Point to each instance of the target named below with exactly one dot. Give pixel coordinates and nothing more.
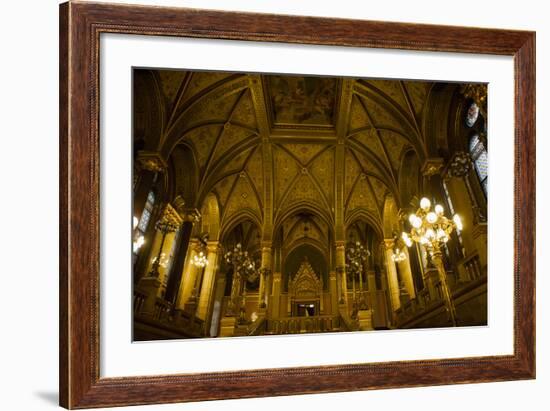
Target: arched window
(479, 156)
(141, 225)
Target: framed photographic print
(258, 205)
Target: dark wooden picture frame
(80, 27)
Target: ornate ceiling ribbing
(267, 145)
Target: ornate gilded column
(406, 273)
(393, 282)
(152, 282)
(341, 271)
(276, 295)
(189, 217)
(206, 293)
(189, 275)
(333, 287)
(265, 271)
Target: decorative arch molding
(409, 133)
(323, 248)
(364, 215)
(169, 145)
(370, 91)
(184, 179)
(385, 173)
(300, 207)
(436, 122)
(390, 221)
(221, 89)
(215, 175)
(234, 220)
(154, 115)
(211, 218)
(409, 186)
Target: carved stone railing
(162, 319)
(426, 304)
(472, 267)
(139, 300)
(297, 325)
(257, 327)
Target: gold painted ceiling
(268, 145)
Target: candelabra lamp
(165, 227)
(243, 268)
(356, 262)
(200, 260)
(398, 254)
(432, 230)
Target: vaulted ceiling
(268, 144)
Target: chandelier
(356, 258)
(200, 260)
(243, 265)
(165, 227)
(356, 263)
(243, 269)
(432, 229)
(398, 255)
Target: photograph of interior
(274, 204)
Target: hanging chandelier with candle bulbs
(200, 260)
(239, 259)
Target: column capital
(432, 166)
(213, 246)
(266, 245)
(459, 165)
(170, 215)
(152, 161)
(187, 214)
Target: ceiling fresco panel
(302, 100)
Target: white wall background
(29, 191)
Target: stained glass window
(143, 223)
(472, 114)
(481, 161)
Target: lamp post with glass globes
(356, 262)
(243, 266)
(432, 230)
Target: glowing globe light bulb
(417, 222)
(458, 222)
(430, 234)
(135, 221)
(406, 239)
(431, 217)
(425, 204)
(439, 209)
